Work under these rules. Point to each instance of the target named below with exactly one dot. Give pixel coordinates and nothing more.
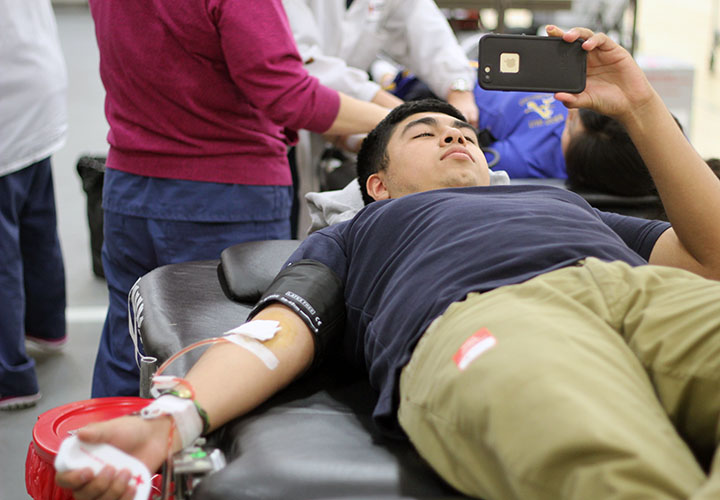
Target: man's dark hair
(372, 157)
(714, 164)
(603, 158)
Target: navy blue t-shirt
(404, 261)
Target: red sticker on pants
(473, 347)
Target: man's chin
(467, 181)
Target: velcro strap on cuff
(315, 293)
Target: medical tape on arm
(250, 336)
(183, 411)
(191, 421)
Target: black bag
(92, 172)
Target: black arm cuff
(315, 293)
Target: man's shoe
(19, 402)
(47, 346)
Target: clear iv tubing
(189, 348)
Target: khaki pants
(603, 383)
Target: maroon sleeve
(264, 63)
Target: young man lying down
(529, 346)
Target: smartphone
(531, 63)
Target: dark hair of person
(714, 164)
(372, 157)
(603, 158)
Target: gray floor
(66, 377)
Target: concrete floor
(66, 377)
(665, 28)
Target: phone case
(531, 63)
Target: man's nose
(453, 135)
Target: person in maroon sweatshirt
(203, 99)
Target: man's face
(430, 151)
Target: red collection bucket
(53, 427)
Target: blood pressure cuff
(315, 293)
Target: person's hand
(615, 86)
(348, 143)
(464, 101)
(146, 440)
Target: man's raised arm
(689, 190)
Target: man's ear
(376, 188)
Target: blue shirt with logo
(528, 127)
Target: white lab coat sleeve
(424, 43)
(332, 71)
(33, 85)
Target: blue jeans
(32, 274)
(132, 247)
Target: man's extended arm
(689, 190)
(228, 381)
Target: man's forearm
(689, 190)
(230, 381)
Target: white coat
(33, 84)
(339, 45)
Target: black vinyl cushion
(182, 304)
(313, 440)
(246, 270)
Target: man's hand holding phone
(615, 85)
